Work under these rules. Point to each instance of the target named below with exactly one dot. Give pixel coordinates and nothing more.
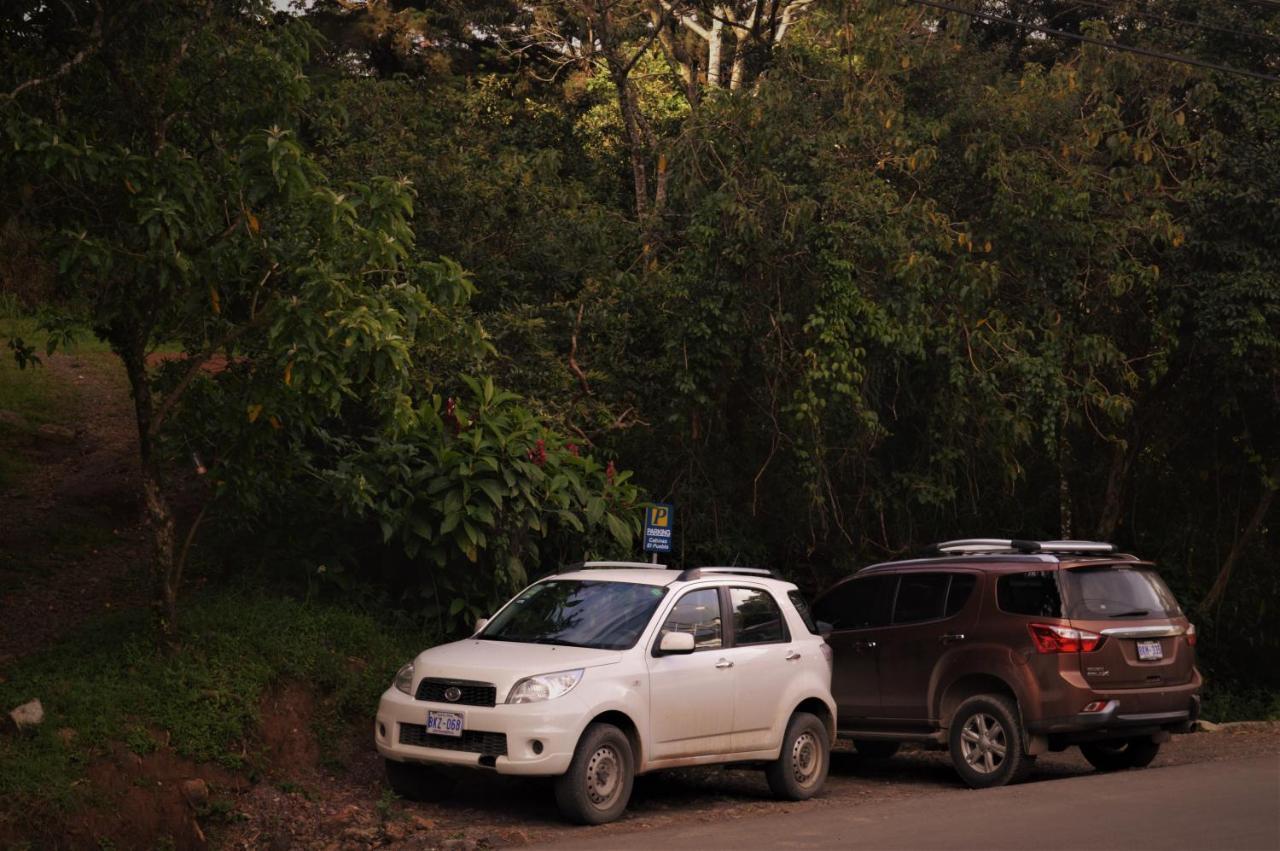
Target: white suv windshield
(577, 613)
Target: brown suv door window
(1033, 593)
(960, 591)
(858, 604)
(921, 597)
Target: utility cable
(1109, 45)
(1169, 20)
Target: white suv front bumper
(399, 733)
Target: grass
(29, 391)
(32, 392)
(111, 683)
(1236, 702)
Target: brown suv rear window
(1112, 591)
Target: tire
(801, 768)
(1121, 754)
(598, 784)
(876, 749)
(412, 781)
(987, 742)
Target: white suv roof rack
(973, 546)
(697, 572)
(612, 565)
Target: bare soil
(72, 544)
(350, 809)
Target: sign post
(659, 523)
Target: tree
(182, 211)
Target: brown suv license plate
(1150, 651)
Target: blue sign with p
(659, 524)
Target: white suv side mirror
(480, 624)
(676, 642)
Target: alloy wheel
(983, 743)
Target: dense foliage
(837, 279)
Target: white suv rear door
(765, 662)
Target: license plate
(444, 723)
(1149, 651)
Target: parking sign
(659, 523)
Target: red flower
(538, 454)
(610, 472)
(573, 449)
(451, 415)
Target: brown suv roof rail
(976, 546)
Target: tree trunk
(1122, 458)
(739, 65)
(637, 141)
(1219, 589)
(713, 53)
(1064, 484)
(159, 517)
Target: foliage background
(920, 277)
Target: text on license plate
(444, 723)
(1149, 651)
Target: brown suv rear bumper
(1113, 721)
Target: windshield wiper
(1136, 613)
(559, 641)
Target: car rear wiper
(1136, 613)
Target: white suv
(615, 669)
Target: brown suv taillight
(1191, 635)
(1063, 639)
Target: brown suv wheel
(987, 743)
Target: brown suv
(1000, 650)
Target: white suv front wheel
(597, 786)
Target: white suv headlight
(404, 679)
(544, 687)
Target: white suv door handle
(724, 663)
(792, 656)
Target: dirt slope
(71, 541)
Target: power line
(1110, 45)
(1271, 4)
(1169, 19)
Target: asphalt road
(1232, 805)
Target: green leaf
(450, 521)
(572, 519)
(491, 490)
(618, 529)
